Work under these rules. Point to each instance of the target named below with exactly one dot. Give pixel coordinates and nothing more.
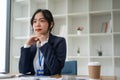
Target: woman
(43, 53)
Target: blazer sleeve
(25, 61)
(55, 55)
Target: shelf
(60, 27)
(23, 20)
(37, 4)
(99, 18)
(21, 38)
(116, 10)
(78, 14)
(116, 4)
(78, 6)
(102, 43)
(78, 35)
(101, 34)
(116, 23)
(98, 5)
(40, 1)
(57, 6)
(21, 29)
(77, 57)
(98, 23)
(80, 21)
(100, 12)
(20, 6)
(116, 57)
(101, 57)
(117, 68)
(59, 16)
(22, 2)
(92, 57)
(83, 64)
(117, 45)
(78, 43)
(116, 33)
(16, 46)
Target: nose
(37, 24)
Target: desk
(102, 77)
(56, 77)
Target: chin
(38, 33)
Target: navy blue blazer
(54, 52)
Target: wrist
(26, 46)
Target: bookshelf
(69, 14)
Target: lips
(38, 29)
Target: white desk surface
(15, 77)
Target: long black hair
(47, 15)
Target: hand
(36, 38)
(33, 39)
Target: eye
(34, 21)
(43, 20)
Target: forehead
(39, 15)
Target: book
(103, 27)
(106, 26)
(109, 30)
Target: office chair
(70, 68)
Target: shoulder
(56, 38)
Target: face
(40, 24)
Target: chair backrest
(70, 68)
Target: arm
(27, 56)
(26, 61)
(55, 55)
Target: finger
(36, 39)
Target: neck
(44, 34)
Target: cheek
(45, 26)
(33, 28)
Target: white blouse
(36, 59)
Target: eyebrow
(39, 18)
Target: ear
(51, 26)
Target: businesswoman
(43, 53)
